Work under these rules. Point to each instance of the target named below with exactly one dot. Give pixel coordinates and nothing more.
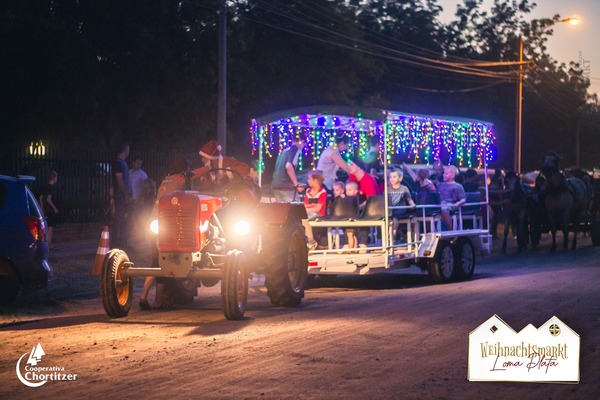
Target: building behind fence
(84, 178)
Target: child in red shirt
(366, 182)
(315, 201)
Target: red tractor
(203, 239)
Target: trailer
(448, 255)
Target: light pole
(519, 118)
(222, 83)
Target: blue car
(23, 246)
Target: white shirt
(328, 166)
(137, 178)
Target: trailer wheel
(287, 273)
(9, 283)
(234, 285)
(464, 257)
(441, 267)
(116, 288)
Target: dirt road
(396, 336)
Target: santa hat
(211, 150)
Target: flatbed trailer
(446, 255)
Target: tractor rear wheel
(287, 271)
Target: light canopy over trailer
(420, 138)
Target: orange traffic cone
(103, 248)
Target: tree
(89, 73)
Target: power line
(422, 61)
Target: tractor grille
(183, 220)
(179, 229)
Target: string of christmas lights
(422, 139)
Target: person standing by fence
(122, 196)
(137, 177)
(47, 201)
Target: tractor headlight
(241, 228)
(154, 226)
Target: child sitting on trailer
(315, 201)
(452, 195)
(398, 195)
(351, 191)
(338, 191)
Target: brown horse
(564, 200)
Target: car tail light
(36, 227)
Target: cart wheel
(116, 288)
(441, 267)
(234, 285)
(464, 256)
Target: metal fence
(84, 178)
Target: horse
(564, 199)
(536, 211)
(514, 206)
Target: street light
(519, 119)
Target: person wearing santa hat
(212, 157)
(211, 154)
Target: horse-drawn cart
(448, 255)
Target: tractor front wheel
(234, 285)
(116, 288)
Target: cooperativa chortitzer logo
(34, 375)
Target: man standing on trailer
(285, 170)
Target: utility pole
(577, 133)
(519, 119)
(519, 107)
(585, 66)
(222, 85)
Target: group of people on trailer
(334, 179)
